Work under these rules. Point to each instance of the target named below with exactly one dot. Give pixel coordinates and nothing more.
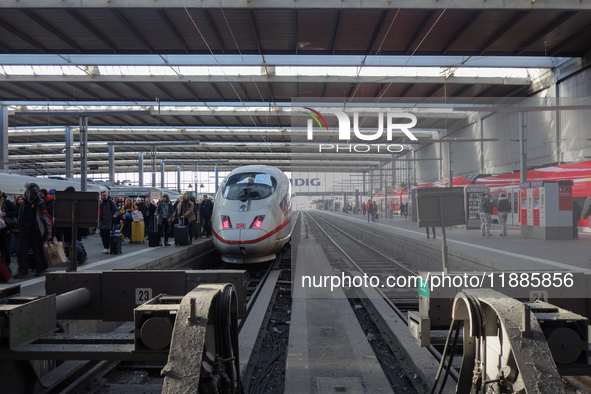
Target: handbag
(2, 224)
(137, 216)
(54, 253)
(11, 222)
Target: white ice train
(251, 215)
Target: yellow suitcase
(138, 232)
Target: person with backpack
(577, 211)
(370, 211)
(503, 209)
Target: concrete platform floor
(328, 351)
(134, 256)
(511, 251)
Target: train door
(513, 196)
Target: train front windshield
(249, 186)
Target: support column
(558, 126)
(112, 163)
(162, 173)
(83, 151)
(363, 183)
(216, 179)
(69, 152)
(140, 160)
(523, 147)
(370, 183)
(481, 145)
(178, 178)
(3, 137)
(451, 172)
(153, 164)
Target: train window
(249, 186)
(515, 203)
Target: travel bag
(115, 242)
(138, 232)
(154, 236)
(181, 234)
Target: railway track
(347, 253)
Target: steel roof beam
(4, 47)
(418, 31)
(129, 80)
(335, 36)
(174, 30)
(52, 29)
(546, 30)
(461, 31)
(305, 4)
(7, 26)
(502, 31)
(86, 91)
(94, 31)
(282, 60)
(132, 29)
(571, 40)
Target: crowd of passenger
(28, 224)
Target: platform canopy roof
(226, 72)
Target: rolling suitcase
(181, 234)
(115, 243)
(154, 236)
(138, 232)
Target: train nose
(242, 242)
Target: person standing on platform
(432, 228)
(35, 229)
(126, 211)
(369, 209)
(107, 213)
(150, 215)
(9, 213)
(503, 209)
(163, 214)
(486, 210)
(577, 211)
(185, 213)
(206, 209)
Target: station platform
(133, 256)
(469, 250)
(328, 351)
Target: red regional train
(579, 173)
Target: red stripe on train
(253, 241)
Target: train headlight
(257, 222)
(226, 223)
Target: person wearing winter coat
(8, 212)
(163, 214)
(503, 209)
(185, 212)
(206, 210)
(126, 211)
(107, 213)
(35, 229)
(486, 210)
